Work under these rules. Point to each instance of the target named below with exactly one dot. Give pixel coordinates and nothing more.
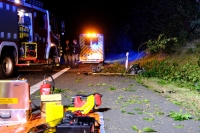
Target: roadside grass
(179, 92)
(188, 99)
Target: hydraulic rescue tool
(85, 103)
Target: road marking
(102, 129)
(36, 87)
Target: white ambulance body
(92, 48)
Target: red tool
(80, 100)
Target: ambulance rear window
(95, 40)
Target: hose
(18, 78)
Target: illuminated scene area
(99, 66)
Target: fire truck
(29, 35)
(92, 48)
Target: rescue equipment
(16, 110)
(45, 88)
(85, 103)
(76, 124)
(14, 102)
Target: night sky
(104, 17)
(84, 16)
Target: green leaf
(148, 129)
(139, 112)
(135, 128)
(159, 113)
(104, 84)
(138, 109)
(112, 88)
(123, 111)
(130, 113)
(179, 126)
(57, 90)
(132, 84)
(149, 119)
(146, 101)
(90, 85)
(120, 97)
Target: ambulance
(92, 48)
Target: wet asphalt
(127, 106)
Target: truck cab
(29, 36)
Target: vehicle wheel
(6, 66)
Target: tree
(146, 20)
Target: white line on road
(36, 87)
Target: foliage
(179, 116)
(161, 43)
(186, 75)
(179, 126)
(57, 90)
(130, 113)
(89, 85)
(112, 88)
(176, 76)
(149, 119)
(198, 62)
(148, 129)
(179, 19)
(135, 128)
(123, 111)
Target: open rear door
(92, 48)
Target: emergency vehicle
(92, 48)
(29, 35)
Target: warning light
(91, 35)
(17, 1)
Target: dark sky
(84, 16)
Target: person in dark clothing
(68, 54)
(75, 53)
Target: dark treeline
(143, 20)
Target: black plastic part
(78, 124)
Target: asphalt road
(126, 103)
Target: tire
(6, 66)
